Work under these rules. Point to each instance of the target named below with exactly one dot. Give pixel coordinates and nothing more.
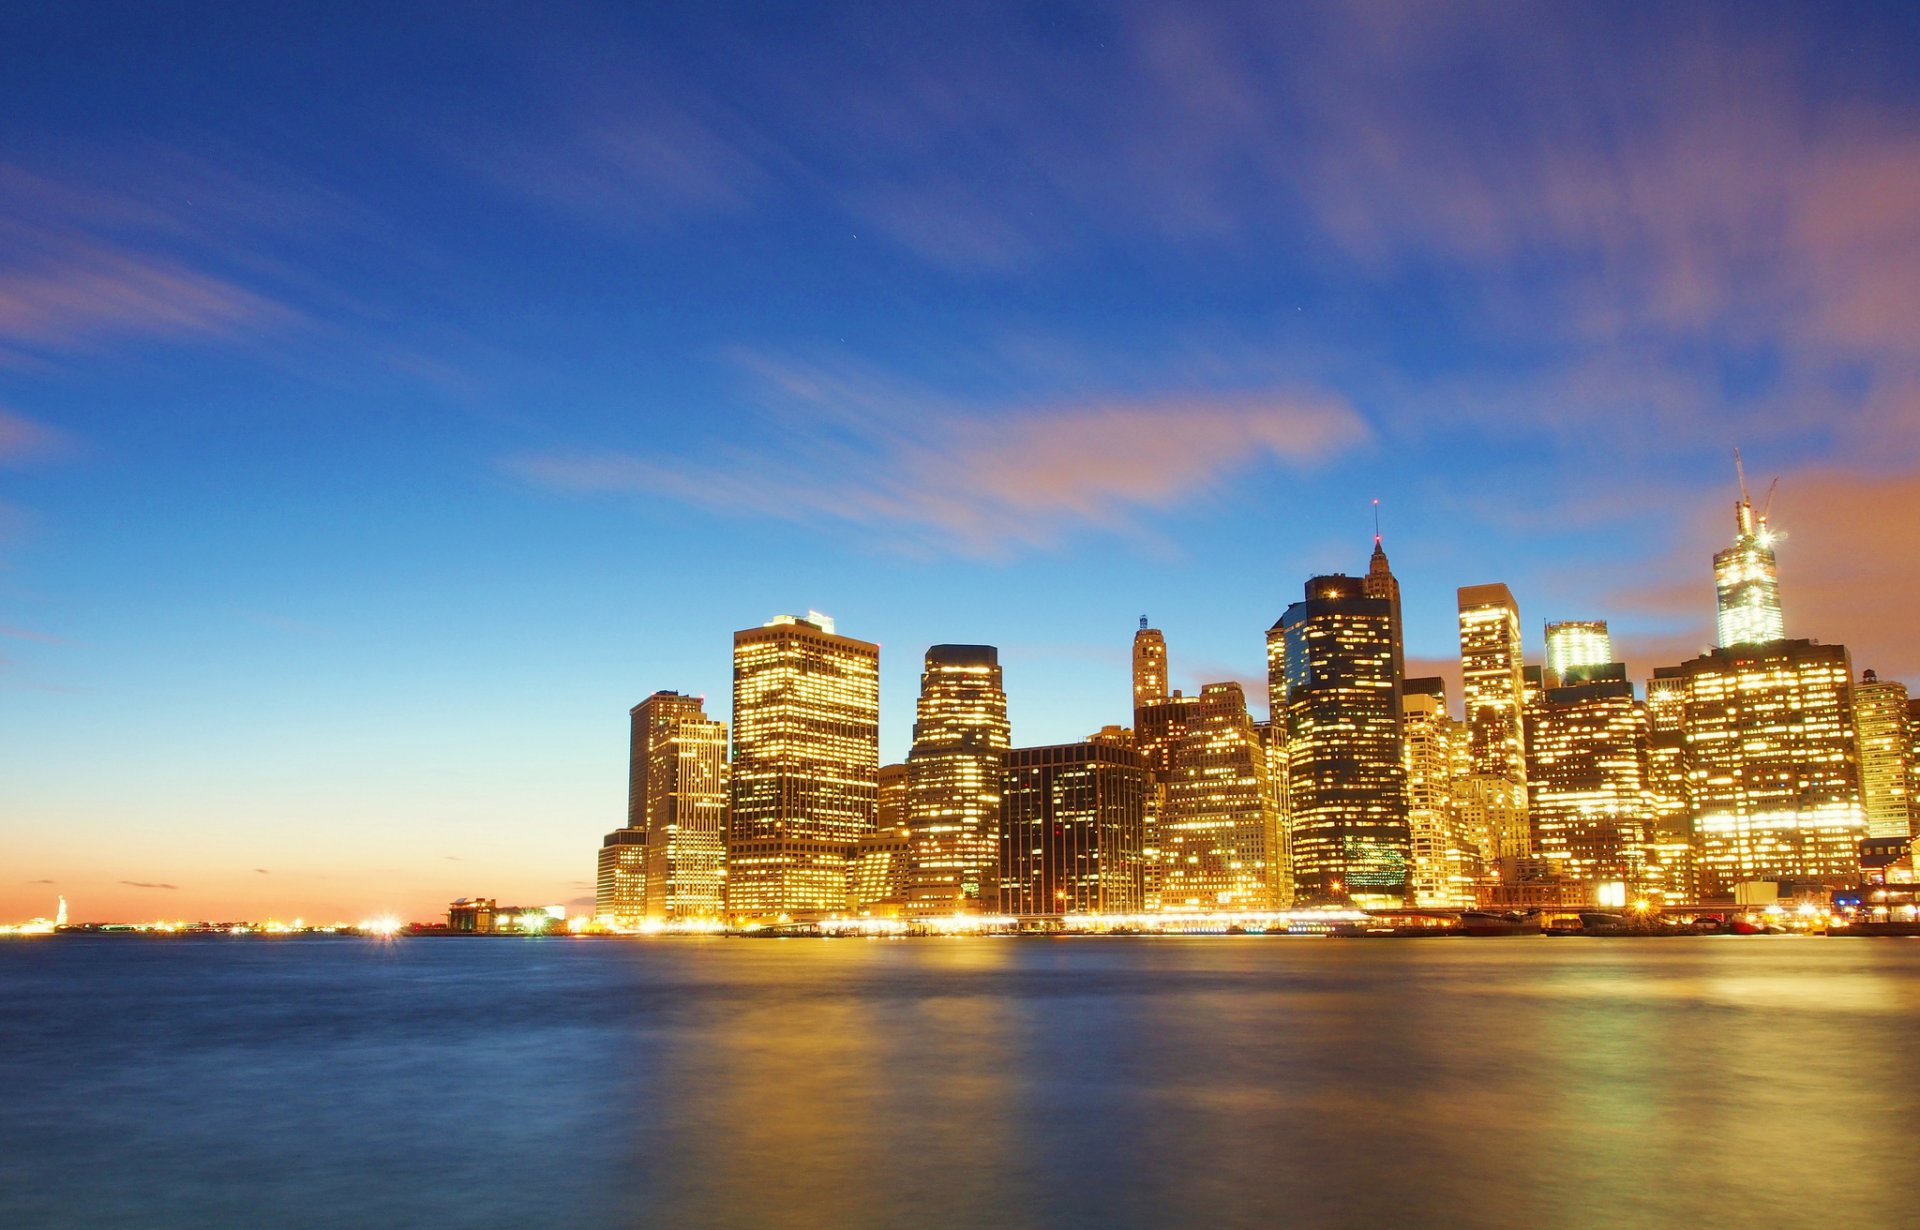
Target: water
(1230, 1081)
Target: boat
(1495, 922)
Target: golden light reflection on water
(1265, 1082)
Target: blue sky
(392, 395)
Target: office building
(1149, 666)
(1157, 730)
(960, 734)
(877, 877)
(620, 880)
(1577, 643)
(1220, 844)
(1346, 772)
(677, 797)
(1672, 852)
(1587, 793)
(1495, 793)
(806, 757)
(1747, 579)
(1381, 583)
(1071, 821)
(1773, 764)
(1444, 860)
(1880, 715)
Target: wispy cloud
(148, 884)
(941, 476)
(23, 441)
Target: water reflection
(1227, 1081)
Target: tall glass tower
(953, 781)
(1747, 580)
(806, 763)
(1346, 775)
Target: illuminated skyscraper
(620, 883)
(1149, 666)
(1346, 779)
(1070, 830)
(1747, 579)
(1913, 762)
(1220, 841)
(1880, 713)
(1672, 850)
(677, 796)
(1158, 729)
(953, 781)
(806, 756)
(1587, 780)
(1444, 862)
(1581, 642)
(1380, 583)
(1773, 763)
(877, 878)
(1495, 792)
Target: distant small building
(472, 916)
(484, 916)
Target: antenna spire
(1740, 469)
(1376, 522)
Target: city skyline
(368, 451)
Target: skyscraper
(1149, 666)
(1070, 829)
(620, 881)
(1158, 729)
(953, 781)
(1380, 583)
(877, 879)
(1444, 862)
(1346, 779)
(1913, 762)
(1219, 838)
(1495, 792)
(1773, 763)
(677, 795)
(806, 756)
(1671, 847)
(1880, 713)
(1577, 642)
(1587, 780)
(1747, 579)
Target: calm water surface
(1230, 1081)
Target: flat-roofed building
(1071, 826)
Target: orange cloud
(985, 484)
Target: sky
(392, 395)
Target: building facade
(960, 735)
(1577, 642)
(620, 878)
(806, 758)
(1773, 764)
(1346, 770)
(1672, 852)
(1587, 794)
(1492, 676)
(1219, 841)
(1746, 581)
(1149, 666)
(1445, 861)
(1071, 826)
(1880, 714)
(882, 859)
(677, 796)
